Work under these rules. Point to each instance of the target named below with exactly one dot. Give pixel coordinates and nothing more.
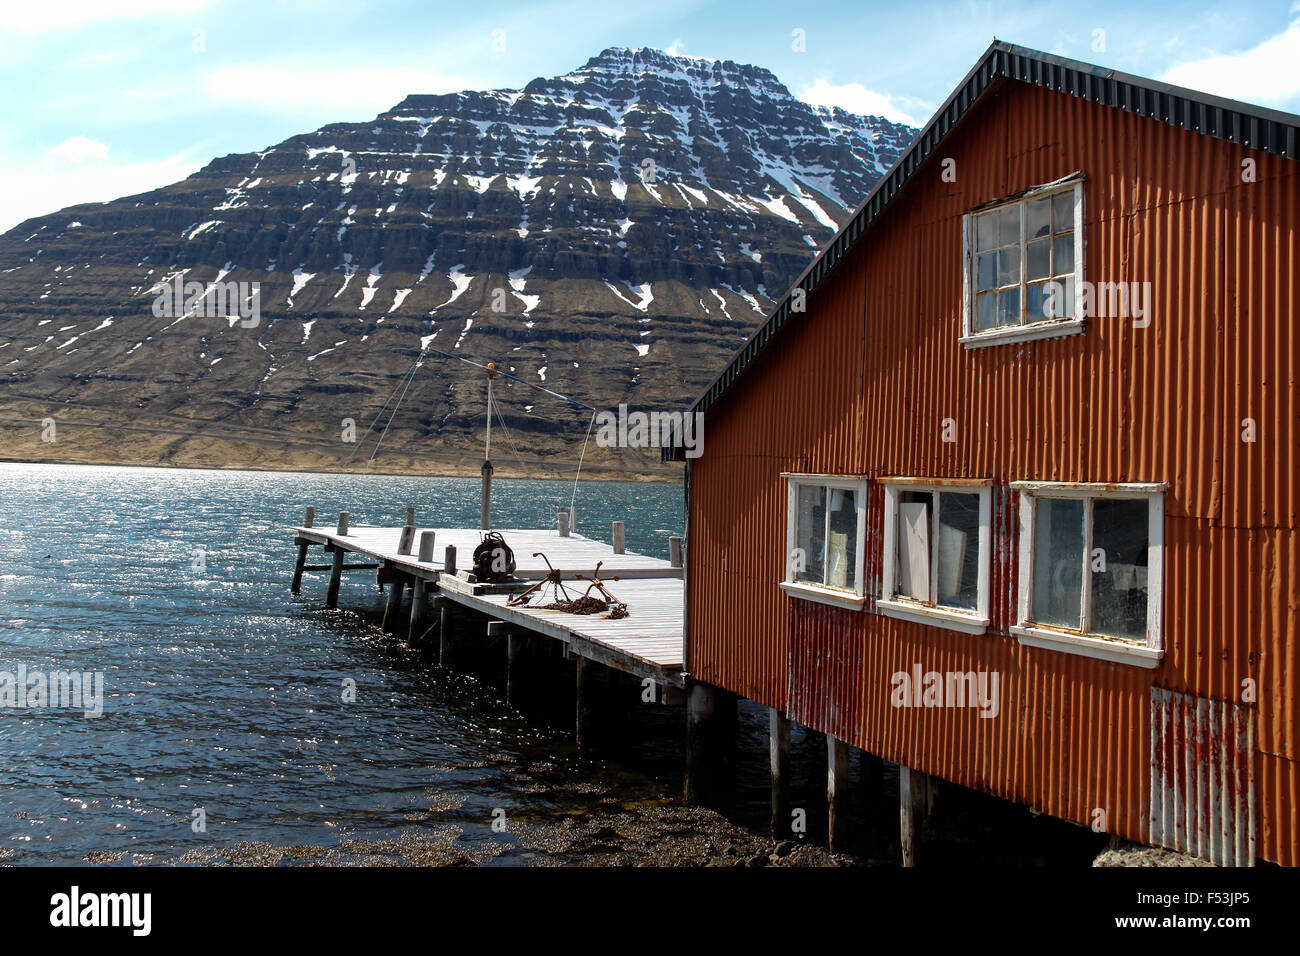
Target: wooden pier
(435, 563)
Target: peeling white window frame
(890, 603)
(855, 598)
(1146, 654)
(1043, 328)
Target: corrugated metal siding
(1202, 778)
(826, 669)
(863, 383)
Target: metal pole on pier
(485, 506)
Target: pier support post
(617, 534)
(514, 649)
(396, 588)
(913, 789)
(583, 671)
(562, 521)
(426, 547)
(675, 551)
(778, 732)
(837, 786)
(710, 725)
(419, 591)
(296, 586)
(444, 632)
(336, 576)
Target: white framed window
(1023, 265)
(936, 552)
(826, 518)
(1091, 569)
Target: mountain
(612, 234)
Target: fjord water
(223, 692)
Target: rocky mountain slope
(612, 234)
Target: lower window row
(1088, 562)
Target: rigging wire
(383, 408)
(409, 382)
(574, 496)
(513, 378)
(510, 438)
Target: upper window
(936, 553)
(1024, 264)
(1090, 569)
(825, 531)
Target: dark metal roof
(1271, 131)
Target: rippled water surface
(222, 692)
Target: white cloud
(856, 98)
(79, 149)
(1266, 74)
(47, 185)
(675, 48)
(63, 15)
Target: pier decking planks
(647, 643)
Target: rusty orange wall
(862, 382)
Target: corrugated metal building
(936, 473)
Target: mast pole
(485, 505)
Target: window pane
(1009, 266)
(1038, 217)
(841, 570)
(1059, 298)
(1063, 254)
(1038, 259)
(1058, 561)
(1063, 211)
(986, 231)
(959, 539)
(913, 558)
(1009, 225)
(1009, 307)
(809, 532)
(987, 269)
(1118, 566)
(1038, 301)
(984, 311)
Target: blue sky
(108, 98)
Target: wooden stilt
(297, 568)
(582, 700)
(415, 632)
(837, 785)
(514, 648)
(396, 588)
(778, 732)
(336, 576)
(912, 789)
(701, 765)
(618, 534)
(444, 633)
